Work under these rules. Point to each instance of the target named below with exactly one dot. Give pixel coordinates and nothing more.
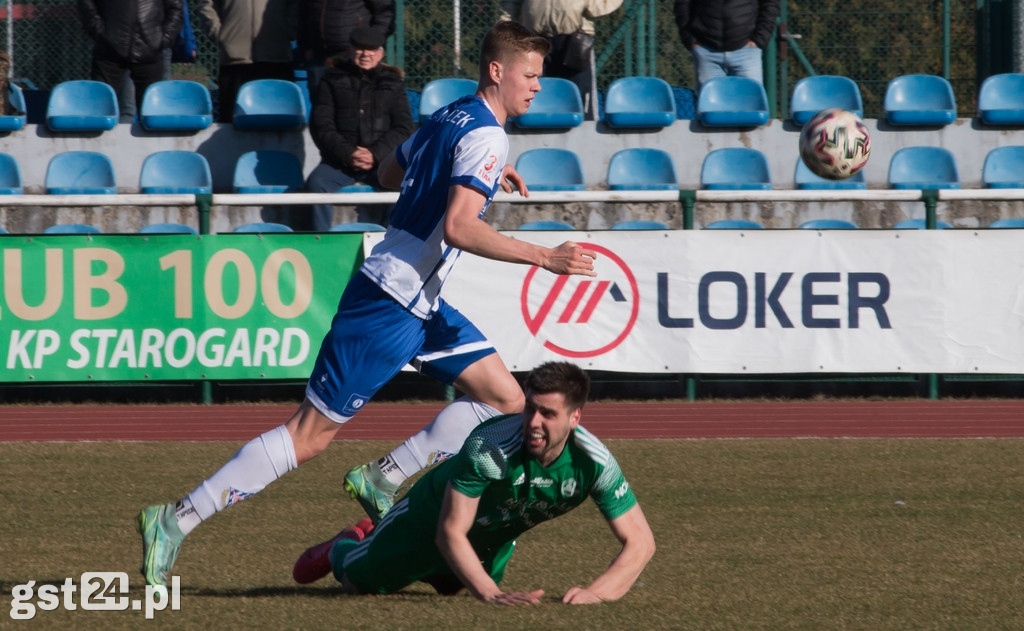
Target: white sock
(439, 440)
(258, 463)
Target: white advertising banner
(730, 301)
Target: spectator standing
(131, 37)
(361, 114)
(255, 38)
(726, 38)
(568, 25)
(325, 29)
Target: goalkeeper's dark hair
(569, 379)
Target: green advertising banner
(169, 307)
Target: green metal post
(946, 39)
(204, 202)
(930, 196)
(933, 387)
(688, 198)
(771, 75)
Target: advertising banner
(168, 307)
(746, 302)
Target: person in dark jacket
(726, 37)
(360, 115)
(325, 27)
(130, 35)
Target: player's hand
(511, 180)
(580, 596)
(517, 598)
(571, 258)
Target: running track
(384, 421)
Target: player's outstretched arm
(464, 229)
(457, 514)
(632, 530)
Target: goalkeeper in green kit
(457, 526)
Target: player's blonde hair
(508, 39)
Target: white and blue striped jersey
(462, 143)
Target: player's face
(547, 423)
(520, 81)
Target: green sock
(339, 550)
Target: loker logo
(560, 310)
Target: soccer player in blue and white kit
(458, 524)
(391, 313)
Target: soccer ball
(835, 144)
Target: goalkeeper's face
(547, 423)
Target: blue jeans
(743, 62)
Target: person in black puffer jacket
(325, 27)
(130, 35)
(360, 115)
(726, 37)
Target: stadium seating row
(552, 169)
(543, 169)
(630, 102)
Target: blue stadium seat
(919, 99)
(81, 105)
(734, 224)
(735, 168)
(268, 171)
(269, 105)
(641, 169)
(921, 224)
(263, 227)
(806, 179)
(639, 102)
(176, 106)
(168, 228)
(545, 225)
(923, 167)
(820, 92)
(551, 169)
(1012, 222)
(440, 92)
(828, 224)
(17, 120)
(558, 105)
(358, 226)
(1004, 167)
(80, 173)
(3, 231)
(640, 224)
(732, 102)
(175, 172)
(10, 176)
(72, 228)
(1001, 99)
(414, 101)
(356, 188)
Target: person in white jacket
(569, 26)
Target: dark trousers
(109, 68)
(578, 71)
(232, 77)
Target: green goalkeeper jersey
(516, 492)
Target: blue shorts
(372, 337)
